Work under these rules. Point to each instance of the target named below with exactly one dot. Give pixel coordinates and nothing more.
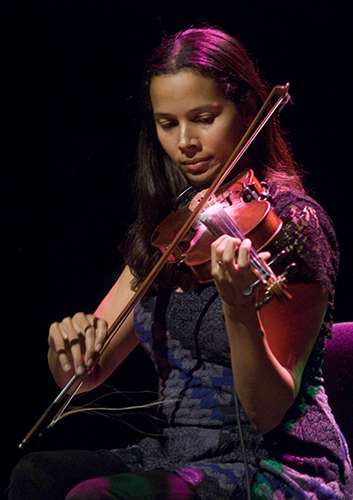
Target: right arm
(84, 335)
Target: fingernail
(98, 347)
(67, 367)
(80, 370)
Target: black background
(70, 73)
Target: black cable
(245, 459)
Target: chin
(202, 179)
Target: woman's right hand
(77, 341)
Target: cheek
(231, 139)
(166, 143)
(226, 145)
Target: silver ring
(220, 263)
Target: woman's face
(197, 127)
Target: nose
(188, 139)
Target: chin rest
(338, 377)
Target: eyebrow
(198, 108)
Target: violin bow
(54, 410)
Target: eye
(208, 119)
(166, 124)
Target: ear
(250, 108)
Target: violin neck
(219, 222)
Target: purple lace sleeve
(309, 236)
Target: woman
(208, 340)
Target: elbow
(261, 427)
(267, 419)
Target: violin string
(228, 226)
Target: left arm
(270, 348)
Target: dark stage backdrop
(70, 73)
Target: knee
(26, 477)
(26, 466)
(92, 489)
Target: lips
(196, 164)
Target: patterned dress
(306, 456)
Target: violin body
(243, 201)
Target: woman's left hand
(231, 270)
(270, 347)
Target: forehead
(185, 90)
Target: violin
(179, 244)
(240, 209)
